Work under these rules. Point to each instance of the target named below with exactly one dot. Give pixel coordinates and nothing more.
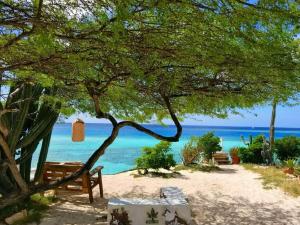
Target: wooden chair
(56, 170)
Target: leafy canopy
(208, 57)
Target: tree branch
(13, 166)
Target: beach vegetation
(36, 207)
(234, 151)
(130, 62)
(200, 148)
(273, 177)
(191, 152)
(247, 142)
(157, 157)
(253, 152)
(290, 163)
(234, 154)
(209, 144)
(287, 147)
(289, 166)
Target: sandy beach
(231, 196)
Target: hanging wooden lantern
(78, 130)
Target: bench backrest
(55, 170)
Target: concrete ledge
(171, 209)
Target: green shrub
(156, 157)
(287, 147)
(252, 154)
(191, 152)
(290, 163)
(209, 144)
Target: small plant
(209, 144)
(191, 152)
(290, 165)
(234, 154)
(287, 147)
(234, 151)
(156, 157)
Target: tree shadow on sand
(222, 209)
(212, 209)
(75, 209)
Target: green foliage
(287, 147)
(156, 157)
(128, 61)
(249, 142)
(30, 122)
(209, 144)
(290, 163)
(198, 147)
(210, 58)
(253, 153)
(35, 206)
(191, 151)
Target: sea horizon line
(190, 125)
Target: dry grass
(274, 177)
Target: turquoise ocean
(121, 155)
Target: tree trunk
(16, 197)
(272, 125)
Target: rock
(16, 217)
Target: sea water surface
(121, 155)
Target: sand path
(231, 196)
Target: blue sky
(257, 117)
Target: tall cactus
(42, 157)
(28, 122)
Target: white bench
(171, 209)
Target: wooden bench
(56, 170)
(221, 158)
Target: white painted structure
(171, 209)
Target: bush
(287, 147)
(252, 154)
(156, 157)
(209, 144)
(191, 152)
(290, 163)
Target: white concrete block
(16, 217)
(172, 209)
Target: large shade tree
(131, 61)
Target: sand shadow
(75, 208)
(222, 209)
(153, 175)
(225, 171)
